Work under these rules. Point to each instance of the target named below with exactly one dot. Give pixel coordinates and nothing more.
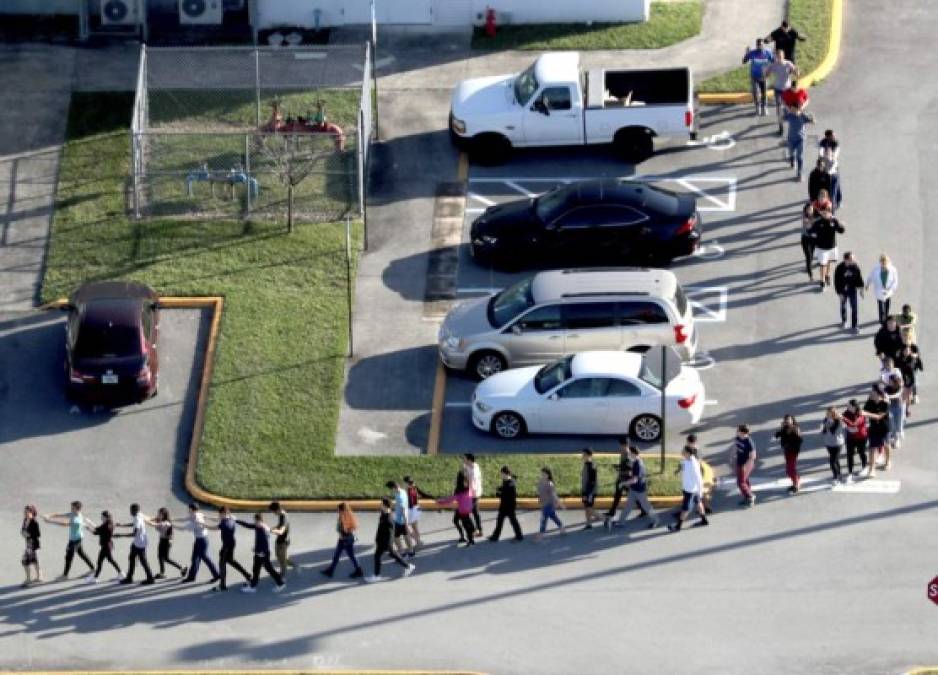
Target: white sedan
(602, 392)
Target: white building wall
(539, 11)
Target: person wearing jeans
(856, 437)
(848, 283)
(832, 435)
(261, 554)
(758, 60)
(226, 526)
(797, 131)
(638, 491)
(76, 524)
(507, 494)
(548, 500)
(196, 523)
(743, 456)
(346, 525)
(789, 437)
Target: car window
(680, 300)
(552, 375)
(550, 204)
(578, 218)
(525, 85)
(588, 387)
(641, 313)
(542, 318)
(588, 315)
(558, 98)
(614, 215)
(622, 388)
(107, 339)
(505, 306)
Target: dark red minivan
(111, 343)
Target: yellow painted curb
(436, 409)
(825, 68)
(205, 671)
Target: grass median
(670, 22)
(273, 404)
(809, 17)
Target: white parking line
(476, 291)
(514, 186)
(711, 401)
(703, 309)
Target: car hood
(467, 318)
(508, 384)
(482, 96)
(504, 218)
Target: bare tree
(293, 157)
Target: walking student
(825, 230)
(797, 121)
(909, 362)
(907, 321)
(227, 527)
(789, 437)
(855, 438)
(164, 526)
(507, 494)
(819, 179)
(638, 491)
(462, 518)
(808, 216)
(138, 547)
(884, 280)
(623, 474)
(383, 537)
(692, 489)
(31, 534)
(691, 444)
(105, 534)
(346, 525)
(888, 340)
(414, 495)
(743, 458)
(848, 284)
(588, 485)
(196, 523)
(549, 502)
(474, 474)
(893, 394)
(282, 542)
(781, 70)
(758, 60)
(786, 38)
(261, 554)
(832, 435)
(401, 529)
(75, 522)
(829, 150)
(876, 411)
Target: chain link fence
(222, 132)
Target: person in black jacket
(848, 282)
(261, 554)
(507, 494)
(824, 231)
(31, 534)
(819, 179)
(888, 339)
(105, 533)
(624, 475)
(908, 361)
(383, 537)
(789, 437)
(588, 483)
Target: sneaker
(62, 577)
(248, 589)
(147, 582)
(326, 573)
(91, 579)
(492, 539)
(160, 576)
(799, 178)
(848, 479)
(653, 525)
(843, 325)
(855, 330)
(186, 580)
(588, 526)
(357, 574)
(279, 588)
(371, 579)
(517, 539)
(673, 527)
(821, 286)
(409, 570)
(701, 523)
(125, 580)
(118, 577)
(219, 589)
(791, 162)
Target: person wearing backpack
(855, 437)
(789, 437)
(832, 435)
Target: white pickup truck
(552, 103)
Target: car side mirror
(516, 330)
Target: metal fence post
(257, 86)
(247, 171)
(374, 91)
(348, 281)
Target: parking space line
(479, 198)
(514, 186)
(707, 313)
(458, 404)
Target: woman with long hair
(549, 502)
(346, 526)
(789, 437)
(462, 517)
(164, 525)
(832, 435)
(105, 534)
(30, 531)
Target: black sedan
(111, 343)
(605, 220)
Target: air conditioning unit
(119, 12)
(201, 12)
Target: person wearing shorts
(400, 520)
(876, 410)
(825, 230)
(414, 494)
(692, 488)
(588, 486)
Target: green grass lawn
(274, 400)
(809, 17)
(670, 22)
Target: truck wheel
(634, 145)
(490, 149)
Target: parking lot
(747, 267)
(93, 451)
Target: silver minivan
(561, 312)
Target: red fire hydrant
(490, 22)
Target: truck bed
(636, 88)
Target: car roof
(558, 67)
(619, 190)
(589, 364)
(112, 290)
(556, 284)
(111, 311)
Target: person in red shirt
(855, 425)
(795, 97)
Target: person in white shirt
(474, 474)
(138, 547)
(692, 486)
(884, 279)
(196, 523)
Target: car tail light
(687, 402)
(688, 118)
(680, 333)
(143, 377)
(76, 377)
(688, 225)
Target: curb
(825, 67)
(202, 671)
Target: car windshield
(525, 86)
(552, 375)
(102, 338)
(680, 300)
(505, 306)
(647, 375)
(549, 203)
